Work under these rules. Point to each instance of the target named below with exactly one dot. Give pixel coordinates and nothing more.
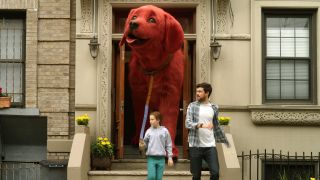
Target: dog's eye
(134, 17)
(151, 20)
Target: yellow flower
(102, 147)
(312, 178)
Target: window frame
(311, 13)
(19, 14)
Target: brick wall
(50, 63)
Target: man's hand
(209, 126)
(170, 162)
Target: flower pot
(5, 102)
(226, 128)
(101, 163)
(82, 129)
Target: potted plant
(101, 154)
(5, 100)
(224, 122)
(83, 120)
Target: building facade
(37, 69)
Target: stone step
(142, 174)
(141, 164)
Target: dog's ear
(126, 26)
(174, 35)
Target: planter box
(226, 128)
(5, 102)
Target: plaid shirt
(192, 120)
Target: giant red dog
(156, 39)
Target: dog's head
(150, 27)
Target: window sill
(288, 115)
(20, 112)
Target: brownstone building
(37, 69)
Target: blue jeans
(156, 166)
(209, 154)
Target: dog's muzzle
(133, 25)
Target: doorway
(123, 121)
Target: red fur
(160, 38)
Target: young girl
(158, 143)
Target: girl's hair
(157, 115)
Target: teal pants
(156, 166)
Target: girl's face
(153, 121)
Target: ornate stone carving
(286, 117)
(104, 60)
(86, 16)
(222, 12)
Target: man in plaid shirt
(204, 132)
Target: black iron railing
(279, 166)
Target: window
(289, 56)
(12, 58)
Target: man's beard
(201, 99)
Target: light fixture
(94, 47)
(215, 49)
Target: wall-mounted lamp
(94, 47)
(215, 49)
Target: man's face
(201, 95)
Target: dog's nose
(133, 25)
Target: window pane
(302, 27)
(287, 69)
(302, 70)
(11, 38)
(287, 89)
(273, 89)
(273, 69)
(302, 47)
(273, 31)
(273, 27)
(287, 47)
(302, 32)
(273, 47)
(287, 27)
(302, 90)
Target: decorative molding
(203, 41)
(84, 35)
(292, 118)
(86, 16)
(104, 60)
(244, 37)
(222, 12)
(85, 107)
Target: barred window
(12, 58)
(289, 56)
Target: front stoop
(136, 169)
(142, 174)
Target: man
(204, 132)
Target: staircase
(134, 167)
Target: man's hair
(206, 87)
(157, 115)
